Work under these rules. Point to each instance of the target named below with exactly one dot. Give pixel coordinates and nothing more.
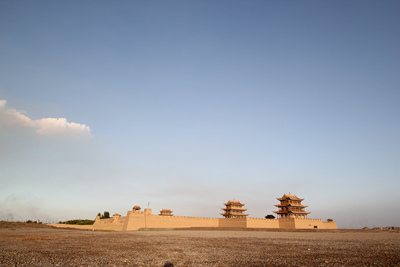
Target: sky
(188, 104)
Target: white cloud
(47, 126)
(60, 126)
(3, 103)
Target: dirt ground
(39, 245)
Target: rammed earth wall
(262, 223)
(155, 221)
(303, 223)
(136, 221)
(233, 222)
(141, 220)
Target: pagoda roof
(166, 212)
(233, 202)
(291, 197)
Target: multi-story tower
(291, 207)
(234, 210)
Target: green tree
(105, 215)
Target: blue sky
(187, 104)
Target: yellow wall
(140, 220)
(286, 223)
(303, 223)
(329, 225)
(134, 221)
(110, 224)
(307, 223)
(233, 222)
(156, 221)
(314, 224)
(262, 223)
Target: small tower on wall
(291, 207)
(136, 209)
(166, 212)
(234, 210)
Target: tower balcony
(232, 215)
(291, 212)
(236, 209)
(291, 205)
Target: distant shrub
(78, 222)
(106, 215)
(30, 221)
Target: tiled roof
(291, 197)
(234, 202)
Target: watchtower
(291, 207)
(234, 210)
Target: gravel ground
(40, 245)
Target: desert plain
(24, 244)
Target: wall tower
(234, 210)
(166, 212)
(291, 207)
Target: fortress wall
(109, 224)
(262, 223)
(286, 223)
(329, 225)
(304, 223)
(301, 223)
(156, 221)
(108, 227)
(314, 224)
(233, 222)
(134, 221)
(137, 219)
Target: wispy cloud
(13, 118)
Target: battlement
(299, 219)
(260, 219)
(190, 218)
